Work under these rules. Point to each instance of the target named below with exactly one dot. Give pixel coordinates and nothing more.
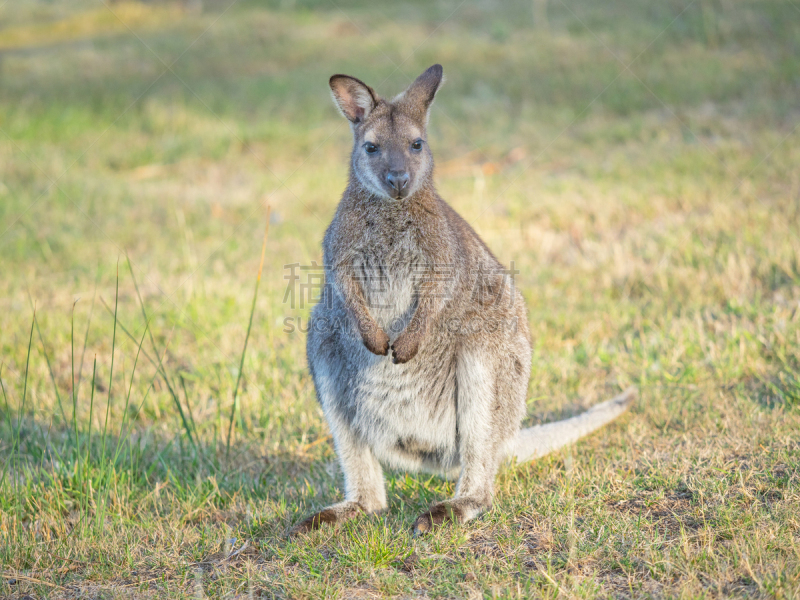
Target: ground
(638, 163)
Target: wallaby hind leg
(364, 487)
(487, 418)
(363, 483)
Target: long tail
(543, 439)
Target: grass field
(639, 162)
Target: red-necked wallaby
(419, 347)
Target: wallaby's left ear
(420, 94)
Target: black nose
(397, 179)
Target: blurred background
(639, 162)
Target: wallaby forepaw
(404, 349)
(377, 342)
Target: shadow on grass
(52, 455)
(84, 477)
(773, 391)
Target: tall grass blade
(85, 340)
(122, 427)
(235, 405)
(84, 481)
(158, 363)
(25, 381)
(164, 376)
(7, 414)
(111, 370)
(144, 313)
(7, 409)
(91, 411)
(191, 431)
(74, 391)
(127, 332)
(50, 369)
(188, 404)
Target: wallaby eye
(417, 145)
(370, 148)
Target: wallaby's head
(391, 157)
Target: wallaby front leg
(375, 339)
(479, 446)
(364, 489)
(406, 345)
(431, 296)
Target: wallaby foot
(336, 513)
(458, 510)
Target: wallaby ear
(420, 94)
(354, 98)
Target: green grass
(638, 162)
